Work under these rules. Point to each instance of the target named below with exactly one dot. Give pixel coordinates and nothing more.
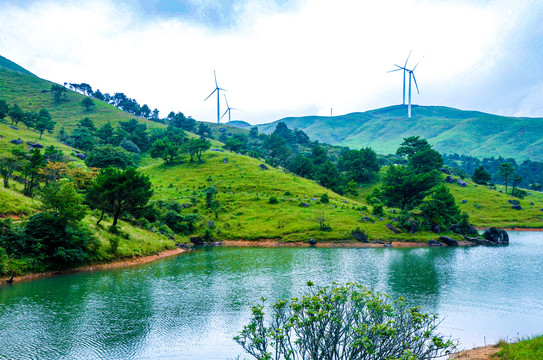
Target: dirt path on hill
(480, 353)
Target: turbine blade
(215, 75)
(210, 95)
(415, 80)
(225, 113)
(226, 101)
(417, 64)
(394, 70)
(407, 58)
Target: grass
(13, 203)
(527, 349)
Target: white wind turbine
(218, 90)
(411, 75)
(228, 108)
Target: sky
(281, 58)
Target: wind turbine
(404, 70)
(218, 90)
(228, 108)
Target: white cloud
(318, 55)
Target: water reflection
(191, 306)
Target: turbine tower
(218, 90)
(228, 108)
(404, 71)
(411, 75)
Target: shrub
(378, 210)
(325, 199)
(343, 322)
(288, 193)
(273, 200)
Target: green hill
(10, 65)
(449, 130)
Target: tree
(31, 171)
(81, 138)
(16, 114)
(212, 203)
(45, 122)
(87, 103)
(481, 176)
(63, 201)
(412, 145)
(145, 111)
(505, 171)
(360, 165)
(87, 123)
(300, 165)
(278, 152)
(425, 160)
(440, 208)
(343, 322)
(253, 133)
(517, 179)
(109, 155)
(165, 150)
(30, 119)
(4, 109)
(204, 130)
(117, 191)
(404, 188)
(329, 176)
(195, 147)
(7, 166)
(59, 92)
(237, 143)
(106, 133)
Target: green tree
(87, 123)
(106, 133)
(196, 147)
(517, 179)
(8, 165)
(63, 201)
(204, 130)
(425, 160)
(360, 165)
(115, 191)
(412, 145)
(109, 155)
(481, 176)
(30, 119)
(165, 150)
(58, 92)
(343, 322)
(88, 104)
(211, 201)
(45, 122)
(329, 176)
(237, 143)
(278, 152)
(16, 114)
(404, 188)
(4, 109)
(440, 209)
(506, 171)
(31, 171)
(300, 165)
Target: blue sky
(286, 58)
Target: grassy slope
(449, 130)
(527, 349)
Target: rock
(496, 236)
(16, 142)
(81, 156)
(312, 242)
(434, 243)
(448, 241)
(393, 229)
(489, 187)
(314, 199)
(35, 145)
(449, 179)
(381, 219)
(516, 207)
(461, 183)
(345, 202)
(446, 171)
(196, 240)
(464, 201)
(500, 191)
(388, 245)
(514, 202)
(263, 167)
(436, 228)
(13, 127)
(472, 230)
(359, 236)
(456, 228)
(225, 160)
(305, 204)
(540, 209)
(219, 150)
(222, 130)
(395, 219)
(413, 228)
(378, 242)
(532, 203)
(367, 218)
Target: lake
(190, 306)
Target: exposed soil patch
(480, 353)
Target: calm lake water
(190, 306)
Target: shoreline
(478, 353)
(126, 262)
(329, 244)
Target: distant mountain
(449, 130)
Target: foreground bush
(343, 322)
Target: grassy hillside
(10, 65)
(449, 130)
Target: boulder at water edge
(497, 236)
(434, 243)
(448, 241)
